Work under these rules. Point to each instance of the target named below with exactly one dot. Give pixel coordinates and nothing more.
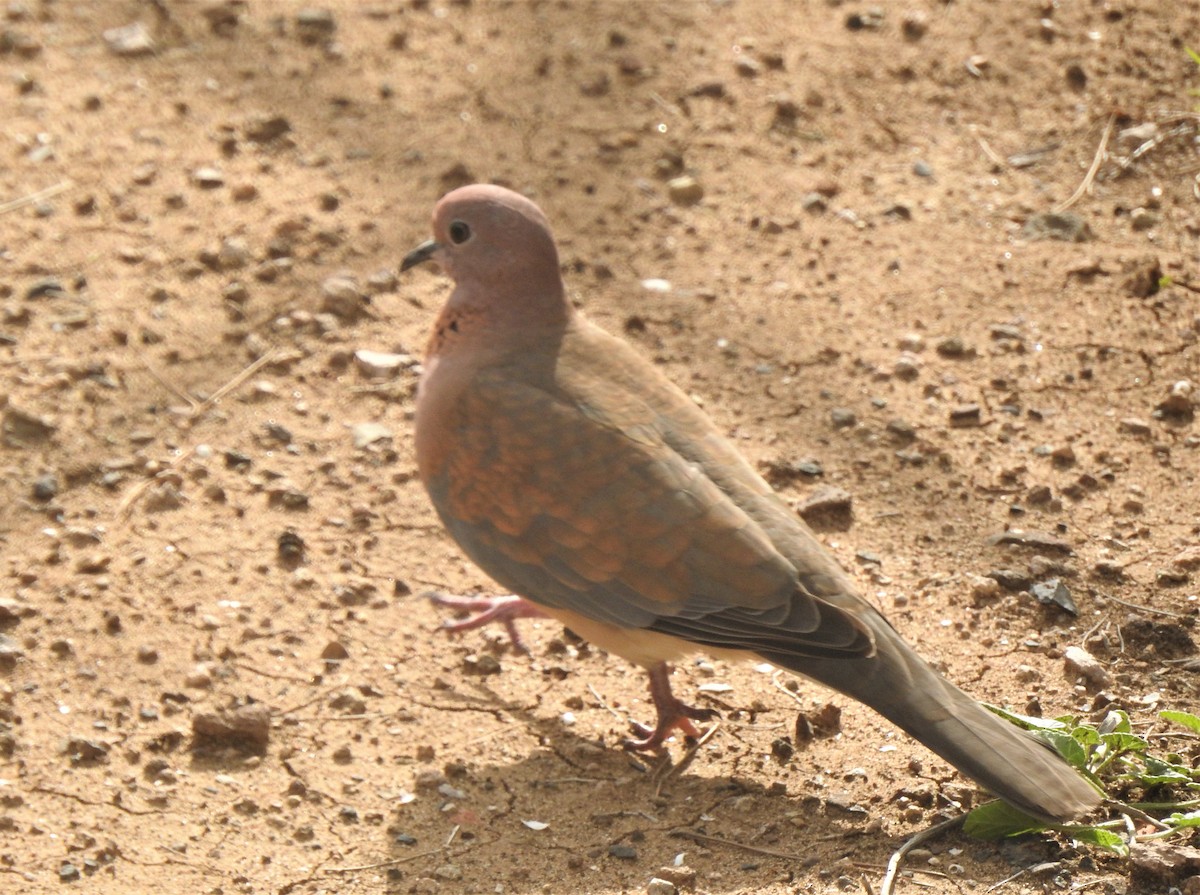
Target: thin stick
(1085, 186)
(391, 862)
(178, 393)
(994, 157)
(1032, 868)
(1137, 814)
(717, 840)
(688, 757)
(605, 705)
(888, 884)
(296, 679)
(783, 689)
(13, 204)
(136, 492)
(1142, 608)
(233, 383)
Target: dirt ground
(218, 672)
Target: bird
(580, 478)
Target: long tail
(1006, 760)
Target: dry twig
(1085, 186)
(32, 198)
(888, 884)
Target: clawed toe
(505, 610)
(673, 715)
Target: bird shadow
(586, 813)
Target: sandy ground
(210, 515)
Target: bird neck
(490, 327)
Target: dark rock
(828, 509)
(1038, 540)
(1064, 227)
(247, 725)
(1054, 592)
(1010, 579)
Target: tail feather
(1004, 759)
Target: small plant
(1114, 758)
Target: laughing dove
(577, 476)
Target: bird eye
(459, 232)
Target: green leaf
(1116, 721)
(1159, 771)
(1124, 742)
(1066, 746)
(1102, 838)
(998, 820)
(1195, 56)
(1028, 721)
(1191, 819)
(1186, 719)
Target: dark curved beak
(419, 255)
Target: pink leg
(505, 610)
(673, 714)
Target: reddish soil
(189, 526)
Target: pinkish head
(497, 247)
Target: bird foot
(505, 610)
(673, 714)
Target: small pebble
(1011, 579)
(130, 40)
(954, 347)
(685, 190)
(233, 254)
(1134, 426)
(915, 24)
(314, 26)
(45, 487)
(380, 364)
(85, 751)
(1079, 661)
(365, 434)
(828, 508)
(1141, 220)
(842, 418)
(341, 296)
(901, 430)
(1027, 674)
(747, 66)
(907, 367)
(1187, 559)
(870, 19)
(485, 664)
(1063, 455)
(335, 652)
(208, 178)
(248, 724)
(1054, 592)
(199, 679)
(1061, 226)
(965, 415)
